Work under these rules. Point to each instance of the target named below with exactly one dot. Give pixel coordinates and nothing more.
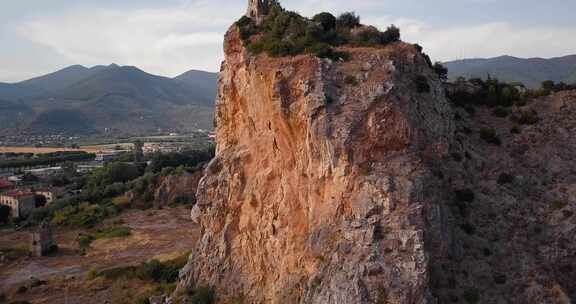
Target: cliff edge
(323, 189)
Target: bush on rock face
(490, 136)
(505, 178)
(422, 85)
(465, 195)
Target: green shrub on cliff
(202, 295)
(286, 33)
(326, 20)
(490, 136)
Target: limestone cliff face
(323, 189)
(177, 189)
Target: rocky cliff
(177, 189)
(324, 187)
(356, 181)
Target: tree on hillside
(392, 34)
(326, 20)
(113, 173)
(348, 20)
(441, 70)
(69, 169)
(548, 86)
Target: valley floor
(156, 234)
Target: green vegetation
(351, 80)
(505, 178)
(103, 190)
(152, 271)
(84, 215)
(549, 87)
(457, 157)
(527, 117)
(558, 205)
(465, 195)
(490, 136)
(286, 33)
(490, 92)
(468, 228)
(4, 214)
(441, 71)
(472, 295)
(188, 159)
(500, 279)
(202, 295)
(112, 232)
(112, 173)
(422, 85)
(153, 275)
(48, 159)
(500, 112)
(462, 198)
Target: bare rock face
(324, 188)
(177, 188)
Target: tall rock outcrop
(324, 187)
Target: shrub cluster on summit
(285, 33)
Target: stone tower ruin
(258, 9)
(42, 242)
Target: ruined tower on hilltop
(42, 242)
(258, 9)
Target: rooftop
(5, 184)
(18, 193)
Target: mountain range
(107, 99)
(531, 72)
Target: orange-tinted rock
(322, 189)
(177, 189)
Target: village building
(85, 169)
(5, 185)
(149, 148)
(49, 194)
(20, 202)
(106, 156)
(45, 172)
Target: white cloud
(484, 40)
(163, 41)
(169, 41)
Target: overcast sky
(168, 37)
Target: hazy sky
(168, 37)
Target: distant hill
(143, 88)
(19, 91)
(116, 99)
(205, 80)
(13, 114)
(62, 78)
(531, 72)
